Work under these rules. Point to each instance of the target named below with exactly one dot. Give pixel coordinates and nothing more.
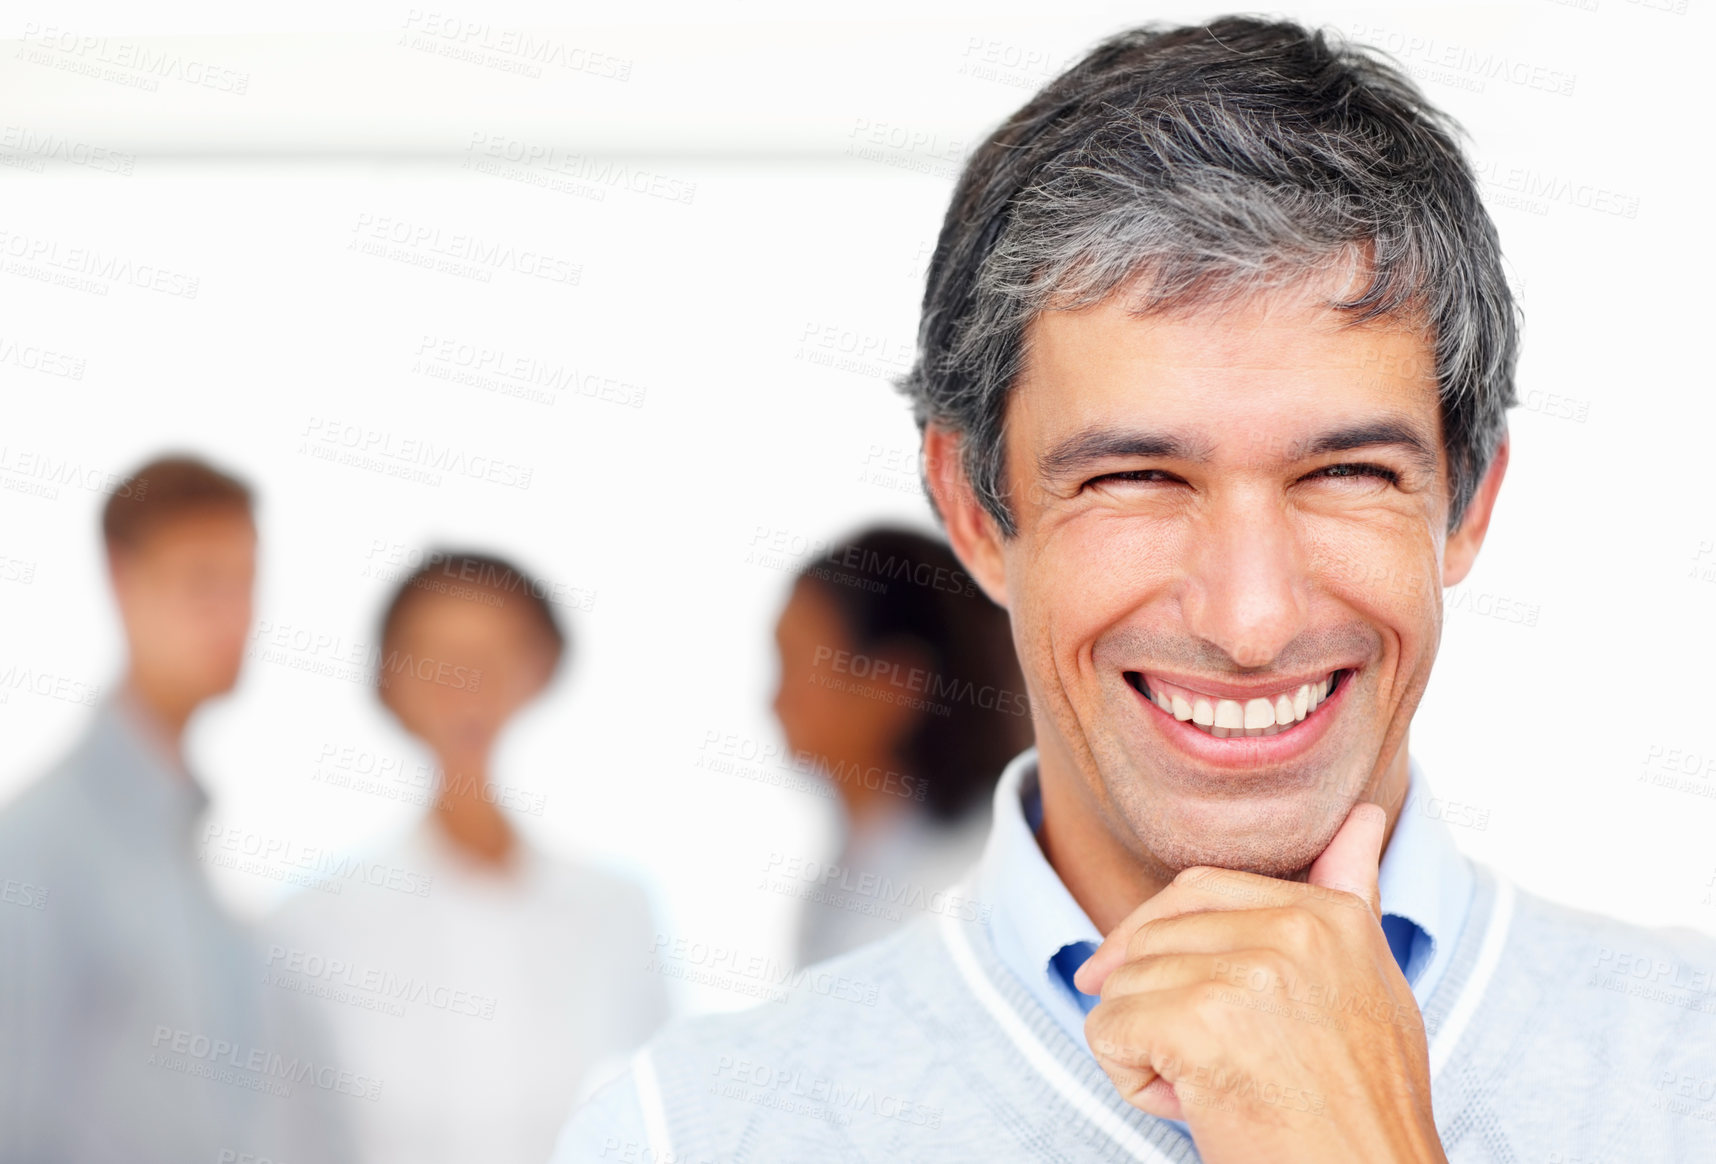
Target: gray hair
(1197, 165)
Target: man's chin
(1269, 838)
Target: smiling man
(1213, 374)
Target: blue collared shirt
(1043, 935)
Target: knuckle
(1144, 938)
(1193, 875)
(1298, 929)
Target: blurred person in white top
(487, 1002)
(899, 687)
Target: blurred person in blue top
(133, 1026)
(487, 1002)
(899, 687)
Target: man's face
(1220, 514)
(185, 597)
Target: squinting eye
(1358, 470)
(1143, 475)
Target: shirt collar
(1425, 879)
(1422, 878)
(1032, 914)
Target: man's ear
(1462, 546)
(971, 531)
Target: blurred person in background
(133, 1026)
(519, 976)
(899, 683)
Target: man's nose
(1245, 579)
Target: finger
(1137, 1040)
(1201, 889)
(1160, 1100)
(1214, 933)
(1163, 972)
(1351, 861)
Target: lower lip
(1239, 752)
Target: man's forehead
(1298, 365)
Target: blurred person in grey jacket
(133, 1022)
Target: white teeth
(1263, 716)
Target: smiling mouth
(1267, 714)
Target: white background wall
(743, 253)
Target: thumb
(1351, 861)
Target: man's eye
(1145, 475)
(1359, 470)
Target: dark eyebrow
(1100, 443)
(1370, 434)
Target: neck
(1106, 877)
(472, 822)
(868, 807)
(160, 713)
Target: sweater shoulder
(875, 987)
(1581, 940)
(845, 1051)
(1644, 996)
